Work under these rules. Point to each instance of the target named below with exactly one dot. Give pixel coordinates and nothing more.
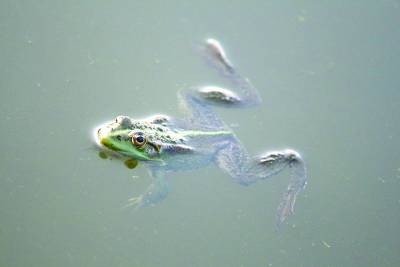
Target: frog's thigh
(219, 95)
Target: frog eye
(138, 139)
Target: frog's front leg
(233, 159)
(157, 190)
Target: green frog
(168, 145)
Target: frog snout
(100, 133)
(103, 132)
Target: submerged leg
(247, 94)
(156, 191)
(231, 155)
(235, 161)
(198, 113)
(197, 102)
(273, 163)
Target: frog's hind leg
(198, 113)
(273, 163)
(247, 94)
(235, 161)
(198, 102)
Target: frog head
(146, 139)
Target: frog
(167, 145)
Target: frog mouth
(99, 135)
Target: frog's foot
(234, 160)
(157, 191)
(219, 95)
(248, 95)
(275, 162)
(144, 200)
(286, 206)
(147, 199)
(216, 53)
(135, 202)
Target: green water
(328, 74)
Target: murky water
(328, 74)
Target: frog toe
(135, 202)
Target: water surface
(328, 74)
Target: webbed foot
(156, 192)
(135, 202)
(264, 167)
(147, 199)
(274, 162)
(143, 200)
(286, 206)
